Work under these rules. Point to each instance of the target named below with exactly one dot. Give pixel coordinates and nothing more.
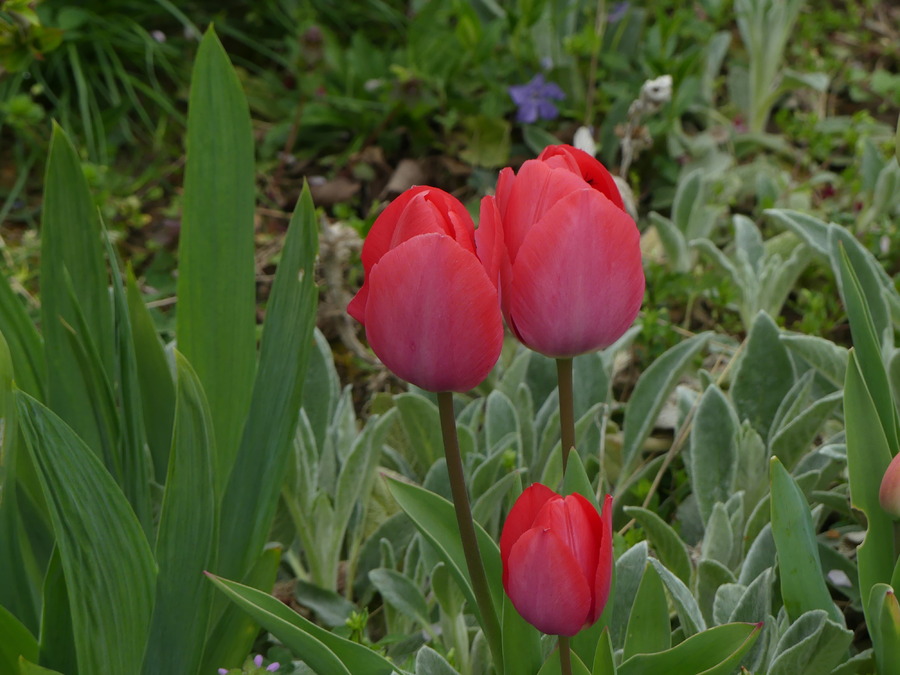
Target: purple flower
(534, 99)
(618, 12)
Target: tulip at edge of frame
(889, 493)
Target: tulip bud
(569, 265)
(430, 310)
(557, 559)
(889, 494)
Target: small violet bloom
(618, 12)
(271, 668)
(535, 99)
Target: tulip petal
(432, 314)
(536, 188)
(383, 233)
(889, 492)
(489, 238)
(603, 579)
(577, 281)
(546, 585)
(575, 520)
(378, 241)
(521, 517)
(591, 170)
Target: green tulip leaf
(716, 651)
(802, 581)
(604, 659)
(629, 572)
(648, 631)
(552, 666)
(861, 291)
(884, 626)
(868, 456)
(521, 642)
(325, 652)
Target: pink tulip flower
(430, 310)
(557, 559)
(565, 252)
(889, 494)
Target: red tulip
(889, 494)
(565, 252)
(430, 310)
(557, 559)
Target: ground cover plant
(441, 392)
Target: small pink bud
(889, 494)
(258, 660)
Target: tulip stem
(466, 524)
(565, 656)
(566, 408)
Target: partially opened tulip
(432, 316)
(566, 253)
(430, 310)
(557, 559)
(889, 494)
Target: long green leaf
(802, 581)
(287, 341)
(25, 343)
(716, 651)
(186, 536)
(107, 562)
(18, 569)
(71, 247)
(15, 641)
(234, 634)
(648, 626)
(216, 292)
(885, 628)
(154, 379)
(57, 638)
(650, 393)
(134, 457)
(521, 642)
(867, 346)
(436, 521)
(868, 456)
(325, 652)
(604, 660)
